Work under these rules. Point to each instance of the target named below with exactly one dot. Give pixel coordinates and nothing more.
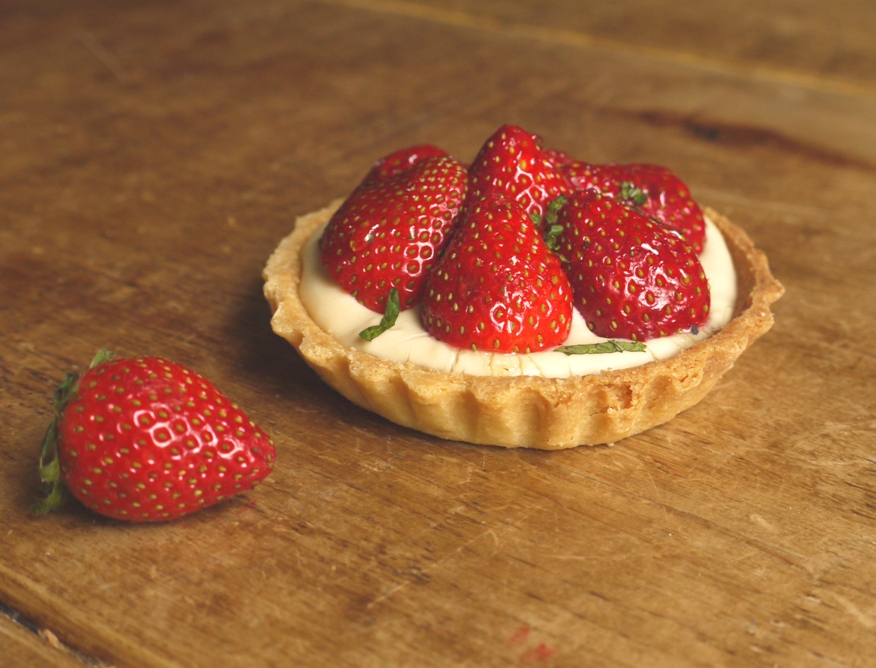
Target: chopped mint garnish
(550, 237)
(552, 229)
(554, 207)
(630, 192)
(603, 347)
(550, 214)
(393, 308)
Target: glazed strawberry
(559, 159)
(497, 288)
(146, 440)
(657, 190)
(512, 164)
(631, 278)
(400, 161)
(388, 233)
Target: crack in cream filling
(339, 314)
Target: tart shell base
(523, 411)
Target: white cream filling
(339, 314)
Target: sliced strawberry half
(388, 232)
(631, 277)
(497, 288)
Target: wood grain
(155, 153)
(797, 41)
(22, 648)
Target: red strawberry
(658, 191)
(402, 160)
(147, 440)
(559, 159)
(511, 164)
(631, 277)
(497, 287)
(388, 233)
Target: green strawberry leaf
(56, 496)
(611, 346)
(49, 466)
(50, 470)
(393, 308)
(103, 355)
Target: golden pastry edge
(523, 411)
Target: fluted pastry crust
(523, 411)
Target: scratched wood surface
(22, 647)
(155, 153)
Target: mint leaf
(552, 229)
(553, 208)
(550, 214)
(603, 347)
(393, 308)
(551, 235)
(630, 192)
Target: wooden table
(153, 154)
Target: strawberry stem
(49, 466)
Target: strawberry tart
(528, 299)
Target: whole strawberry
(388, 233)
(512, 164)
(497, 288)
(655, 189)
(632, 278)
(401, 161)
(146, 440)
